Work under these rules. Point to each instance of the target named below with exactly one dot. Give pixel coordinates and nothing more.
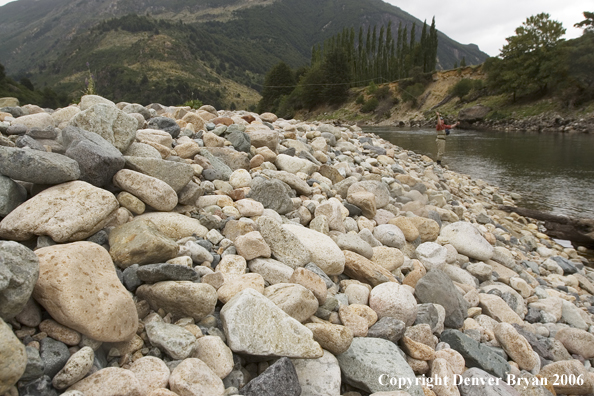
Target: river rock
(577, 341)
(318, 377)
(323, 250)
(150, 190)
(35, 166)
(140, 242)
(262, 136)
(516, 346)
(12, 195)
(273, 194)
(109, 381)
(13, 358)
(389, 235)
(107, 121)
(97, 159)
(395, 301)
(297, 301)
(496, 307)
(78, 275)
(54, 355)
(88, 101)
(467, 240)
(366, 271)
(431, 255)
(280, 379)
(252, 245)
(77, 366)
(215, 353)
(174, 340)
(175, 225)
(183, 298)
(378, 189)
(334, 338)
(66, 212)
(387, 257)
(152, 273)
(272, 271)
(354, 243)
(295, 164)
(567, 369)
(437, 288)
(176, 174)
(255, 325)
(151, 372)
(368, 359)
(476, 354)
(19, 270)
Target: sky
(488, 23)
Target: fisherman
(442, 130)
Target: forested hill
(199, 44)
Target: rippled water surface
(552, 172)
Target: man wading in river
(442, 131)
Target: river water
(553, 172)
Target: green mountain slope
(219, 45)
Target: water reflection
(553, 172)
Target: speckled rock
(79, 274)
(185, 299)
(67, 212)
(13, 358)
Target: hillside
(540, 114)
(205, 45)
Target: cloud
(489, 23)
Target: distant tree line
(536, 62)
(26, 93)
(342, 62)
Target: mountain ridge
(238, 40)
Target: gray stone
(12, 195)
(152, 273)
(37, 166)
(137, 108)
(437, 288)
(131, 280)
(39, 387)
(165, 124)
(19, 270)
(97, 159)
(476, 354)
(567, 266)
(280, 379)
(285, 246)
(388, 328)
(389, 235)
(112, 124)
(35, 367)
(29, 142)
(254, 325)
(377, 188)
(474, 113)
(369, 358)
(319, 377)
(176, 174)
(273, 194)
(467, 240)
(240, 140)
(318, 271)
(54, 355)
(217, 165)
(472, 384)
(354, 243)
(428, 314)
(174, 340)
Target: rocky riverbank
(153, 250)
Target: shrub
(382, 93)
(462, 88)
(360, 99)
(370, 105)
(371, 88)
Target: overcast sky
(488, 23)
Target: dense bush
(370, 105)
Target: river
(553, 172)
